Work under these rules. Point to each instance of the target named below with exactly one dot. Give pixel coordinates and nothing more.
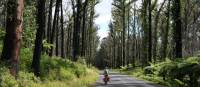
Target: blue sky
(104, 11)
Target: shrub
(54, 70)
(149, 70)
(177, 73)
(181, 73)
(82, 60)
(6, 79)
(126, 68)
(26, 56)
(26, 79)
(79, 70)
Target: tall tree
(150, 33)
(62, 31)
(166, 33)
(155, 31)
(57, 34)
(54, 28)
(76, 32)
(121, 6)
(49, 27)
(123, 18)
(177, 28)
(83, 48)
(11, 48)
(144, 17)
(39, 37)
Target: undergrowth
(183, 72)
(55, 72)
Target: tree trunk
(150, 35)
(68, 44)
(166, 33)
(54, 27)
(157, 18)
(49, 22)
(62, 32)
(123, 34)
(134, 44)
(39, 37)
(57, 35)
(128, 39)
(76, 33)
(177, 29)
(83, 28)
(11, 49)
(144, 34)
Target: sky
(103, 9)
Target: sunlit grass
(55, 72)
(84, 81)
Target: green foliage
(60, 69)
(82, 60)
(6, 80)
(126, 68)
(2, 33)
(176, 73)
(46, 45)
(149, 70)
(55, 71)
(26, 56)
(25, 79)
(29, 25)
(177, 83)
(180, 72)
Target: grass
(55, 72)
(83, 81)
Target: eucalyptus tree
(144, 20)
(177, 28)
(165, 40)
(155, 34)
(85, 13)
(13, 37)
(76, 32)
(149, 31)
(54, 27)
(39, 36)
(123, 7)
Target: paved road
(119, 80)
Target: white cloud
(102, 33)
(104, 11)
(103, 19)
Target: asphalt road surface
(120, 80)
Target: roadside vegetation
(55, 72)
(176, 73)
